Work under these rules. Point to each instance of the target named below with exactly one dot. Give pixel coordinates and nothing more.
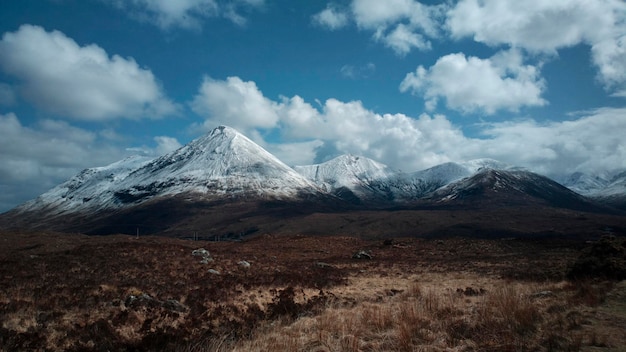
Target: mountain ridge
(223, 169)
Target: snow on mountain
(585, 183)
(222, 163)
(351, 176)
(88, 185)
(351, 173)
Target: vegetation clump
(604, 259)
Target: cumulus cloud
(307, 134)
(401, 25)
(402, 40)
(546, 26)
(470, 84)
(235, 103)
(331, 18)
(81, 82)
(186, 14)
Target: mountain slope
(510, 187)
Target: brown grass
(118, 293)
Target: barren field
(300, 293)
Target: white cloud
(402, 25)
(331, 18)
(166, 144)
(186, 14)
(81, 82)
(297, 153)
(402, 40)
(307, 134)
(235, 103)
(592, 142)
(470, 84)
(355, 72)
(546, 26)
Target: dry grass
(77, 293)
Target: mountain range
(224, 183)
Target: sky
(537, 84)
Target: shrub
(605, 259)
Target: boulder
(362, 255)
(204, 254)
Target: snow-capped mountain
(350, 177)
(357, 178)
(225, 182)
(222, 163)
(605, 187)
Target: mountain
(604, 187)
(223, 184)
(509, 188)
(221, 165)
(358, 179)
(353, 178)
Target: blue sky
(411, 84)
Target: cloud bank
(308, 134)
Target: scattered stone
(201, 252)
(244, 264)
(542, 294)
(214, 272)
(145, 300)
(323, 265)
(362, 255)
(174, 305)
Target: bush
(605, 259)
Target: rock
(214, 272)
(174, 305)
(201, 252)
(362, 255)
(244, 264)
(542, 294)
(145, 300)
(323, 265)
